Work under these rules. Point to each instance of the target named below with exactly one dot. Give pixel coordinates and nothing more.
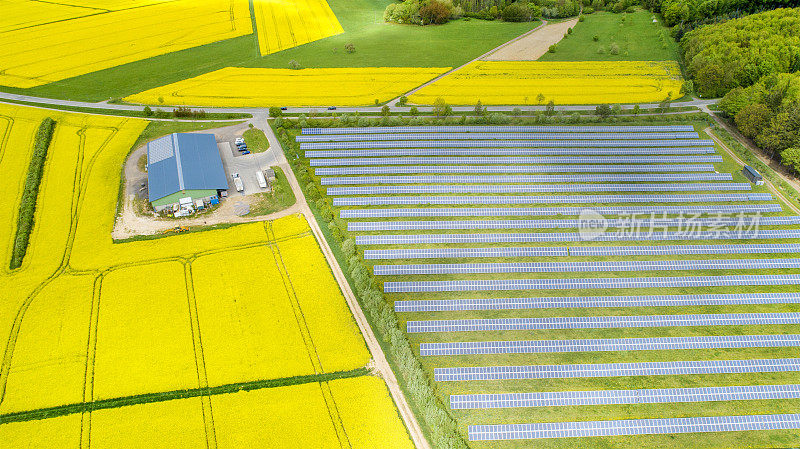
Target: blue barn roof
(184, 161)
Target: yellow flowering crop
(295, 416)
(340, 346)
(381, 427)
(254, 87)
(49, 365)
(283, 24)
(144, 336)
(248, 324)
(60, 432)
(521, 82)
(176, 424)
(56, 50)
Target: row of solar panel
(490, 128)
(531, 237)
(549, 199)
(616, 369)
(509, 152)
(616, 397)
(633, 427)
(660, 177)
(533, 188)
(602, 322)
(506, 144)
(697, 223)
(588, 283)
(717, 299)
(545, 211)
(505, 160)
(487, 136)
(608, 344)
(500, 169)
(586, 267)
(562, 251)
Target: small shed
(754, 176)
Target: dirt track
(532, 46)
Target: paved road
(306, 110)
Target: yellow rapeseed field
(283, 24)
(296, 416)
(355, 395)
(339, 347)
(177, 423)
(60, 432)
(256, 87)
(248, 324)
(49, 366)
(60, 49)
(521, 82)
(92, 319)
(144, 336)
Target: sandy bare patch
(532, 46)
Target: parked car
(239, 140)
(283, 108)
(331, 108)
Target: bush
(349, 247)
(569, 30)
(613, 49)
(596, 38)
(147, 111)
(30, 191)
(294, 65)
(275, 111)
(552, 49)
(349, 47)
(517, 12)
(581, 19)
(435, 12)
(587, 10)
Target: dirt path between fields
(531, 46)
(769, 185)
(380, 364)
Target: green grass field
(637, 37)
(377, 44)
(606, 412)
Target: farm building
(181, 166)
(754, 176)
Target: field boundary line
(148, 398)
(91, 353)
(199, 356)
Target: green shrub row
(30, 192)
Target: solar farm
(572, 285)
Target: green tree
(441, 108)
(790, 157)
(275, 111)
(402, 100)
(752, 119)
(603, 111)
(479, 109)
(386, 111)
(539, 98)
(413, 111)
(435, 12)
(550, 109)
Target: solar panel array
(506, 144)
(669, 180)
(616, 369)
(508, 152)
(617, 397)
(549, 199)
(501, 169)
(586, 267)
(717, 299)
(487, 136)
(533, 237)
(544, 211)
(602, 322)
(490, 128)
(436, 253)
(684, 249)
(546, 188)
(633, 427)
(642, 224)
(607, 345)
(506, 160)
(589, 283)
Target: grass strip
(81, 407)
(27, 205)
(157, 114)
